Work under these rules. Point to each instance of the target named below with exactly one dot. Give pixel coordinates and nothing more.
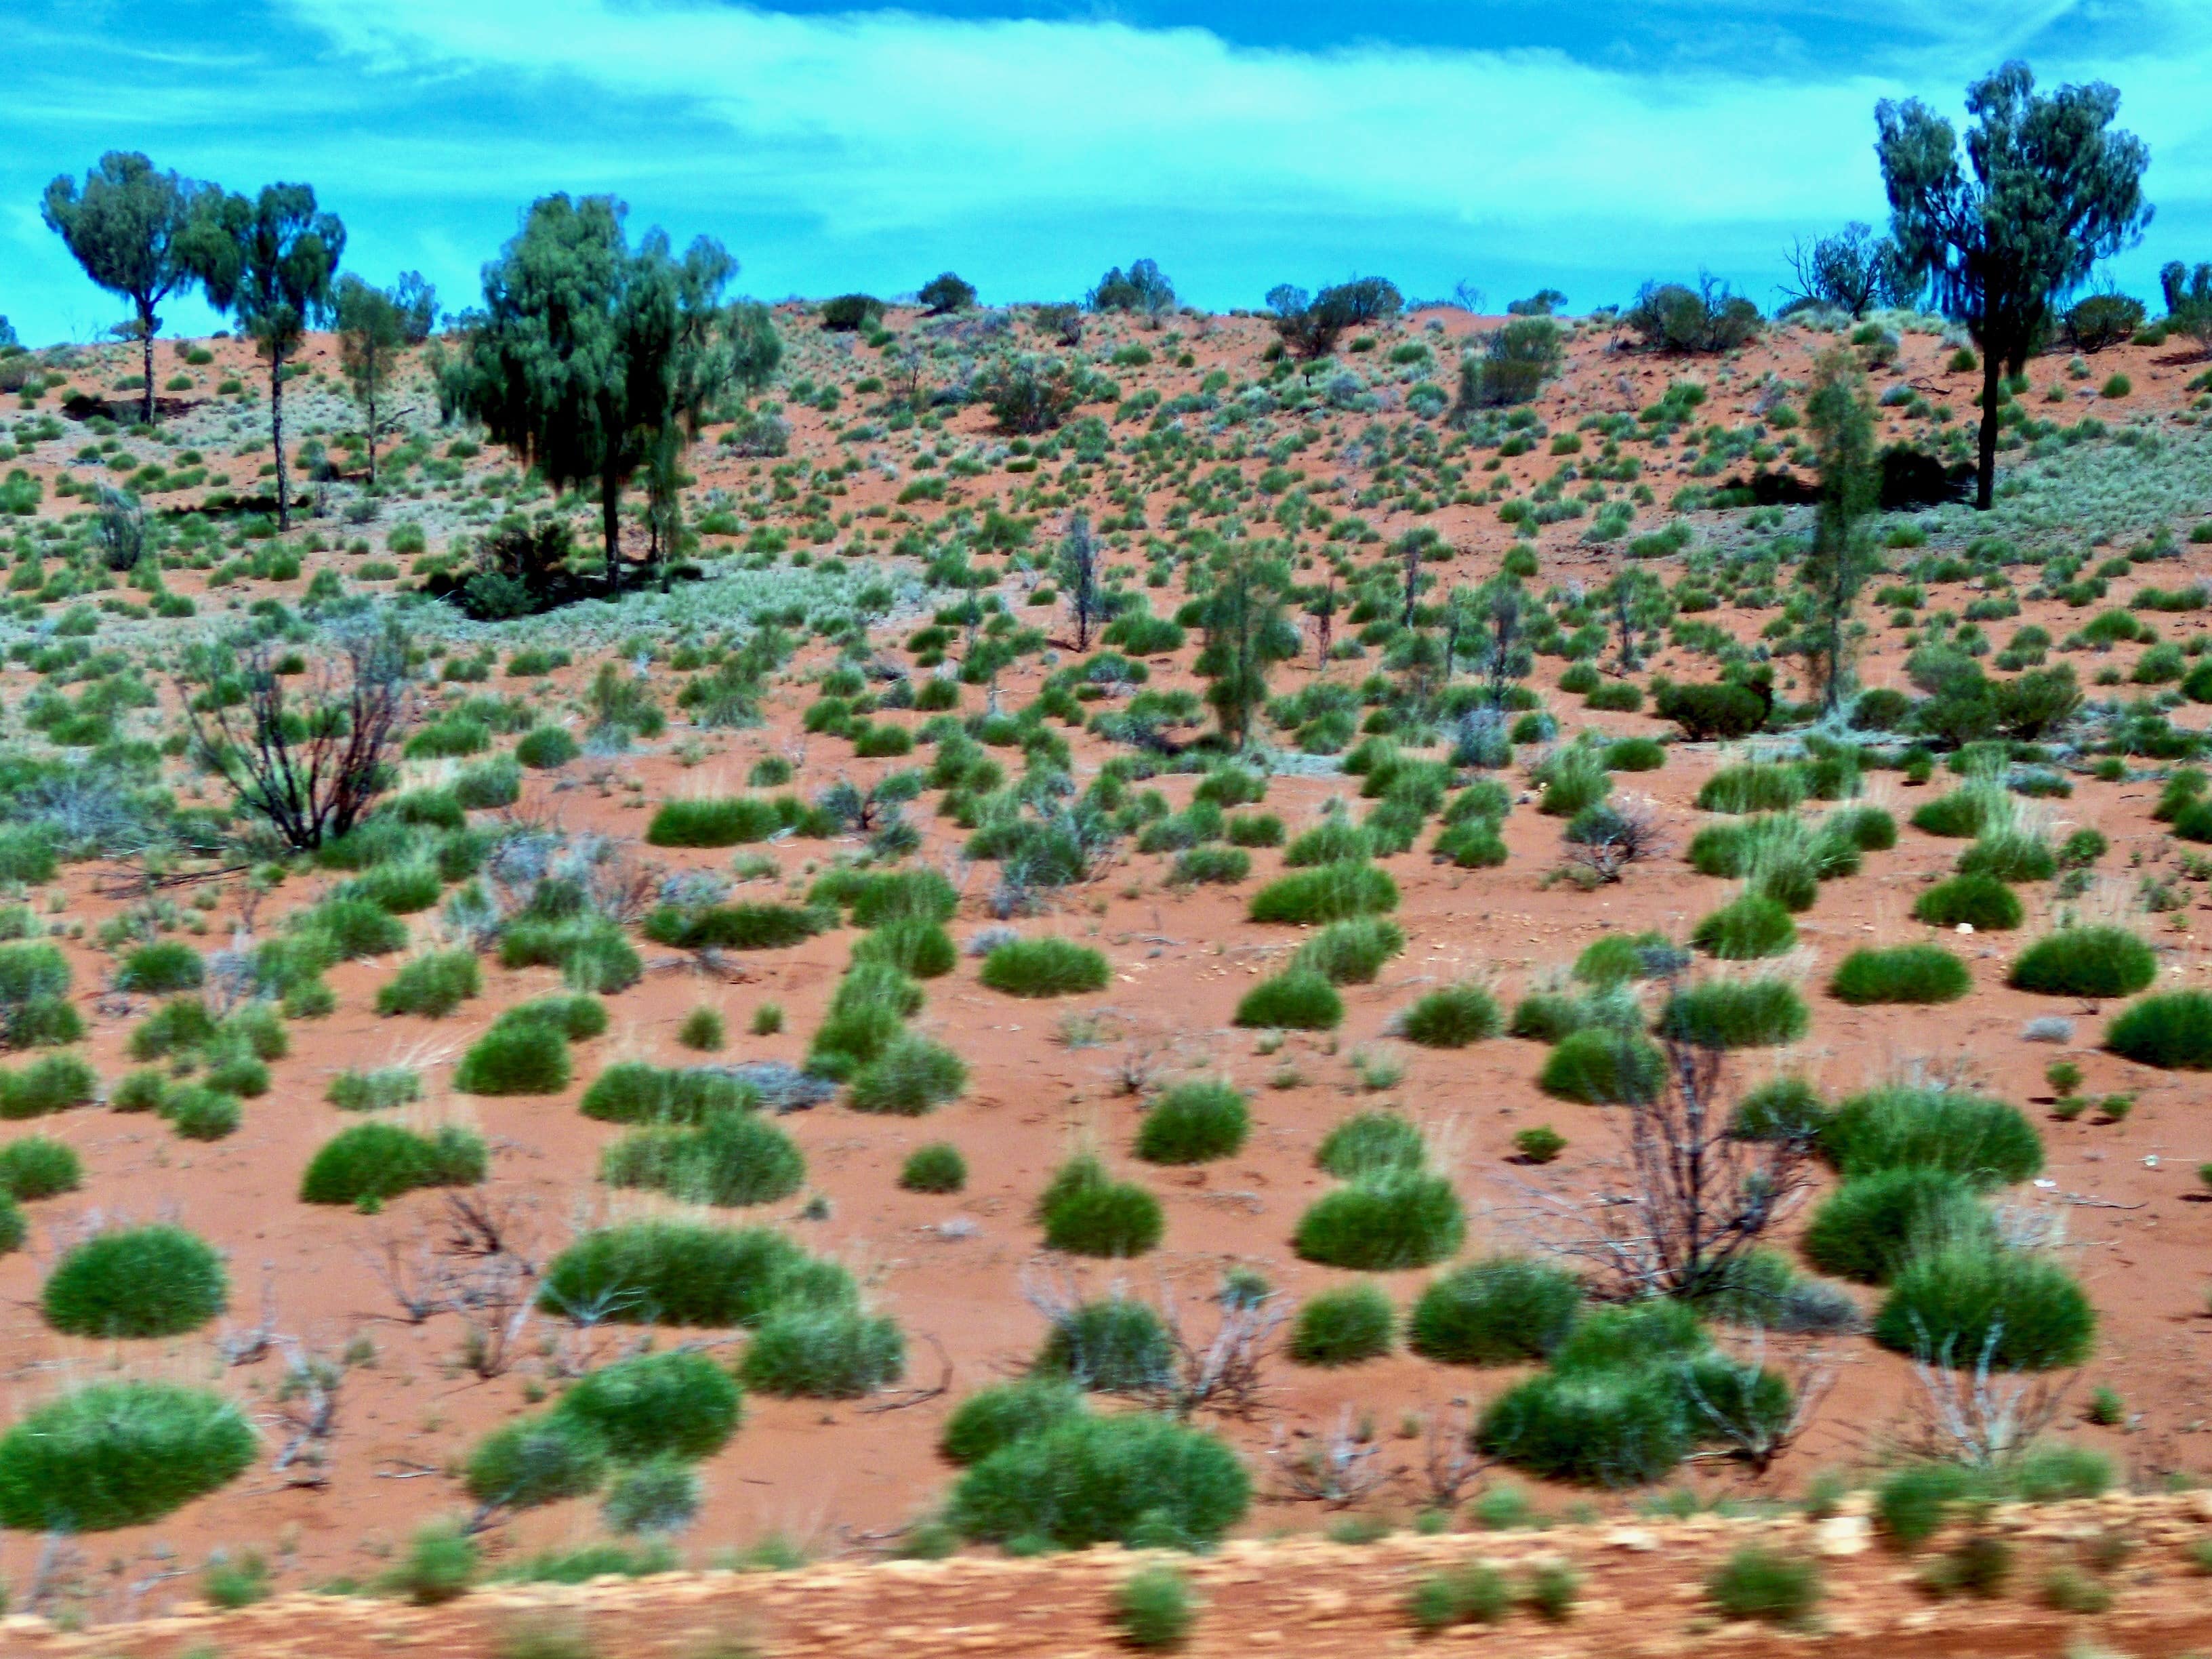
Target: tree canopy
(375, 326)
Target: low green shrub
(1981, 902)
(1958, 816)
(1736, 1014)
(2172, 1032)
(164, 966)
(1746, 929)
(1986, 1142)
(1328, 892)
(937, 1168)
(913, 1075)
(1045, 967)
(1194, 1123)
(638, 1091)
(1603, 1067)
(35, 1010)
(1869, 1227)
(202, 1114)
(680, 1404)
(1960, 1305)
(1917, 974)
(823, 1353)
(37, 1167)
(1369, 1143)
(118, 1454)
(1470, 1593)
(358, 927)
(1786, 1107)
(1004, 1412)
(676, 1272)
(1211, 866)
(52, 1083)
(536, 1461)
(1296, 999)
(1502, 1311)
(1335, 840)
(738, 927)
(1342, 1327)
(2085, 962)
(1451, 1018)
(371, 1162)
(433, 985)
(515, 1057)
(155, 1281)
(1099, 1479)
(914, 944)
(546, 749)
(1384, 1221)
(1752, 787)
(1351, 952)
(729, 1160)
(14, 1226)
(1087, 1212)
(1597, 1427)
(1758, 1583)
(1153, 1607)
(376, 1090)
(1111, 1346)
(724, 821)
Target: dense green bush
(371, 1162)
(1045, 967)
(2085, 962)
(156, 1280)
(1351, 952)
(1746, 929)
(913, 1075)
(1087, 1212)
(1369, 1143)
(1603, 1067)
(118, 1454)
(675, 1273)
(1342, 1327)
(1758, 1583)
(546, 748)
(434, 985)
(729, 1160)
(14, 1226)
(1986, 1142)
(1781, 1108)
(202, 1114)
(1983, 902)
(1004, 1412)
(1451, 1018)
(1752, 787)
(724, 821)
(823, 1353)
(52, 1083)
(738, 927)
(1193, 1122)
(164, 966)
(912, 945)
(936, 1168)
(1958, 816)
(1918, 974)
(1112, 1346)
(1328, 892)
(35, 1010)
(1214, 866)
(1710, 711)
(357, 927)
(680, 1403)
(1499, 1311)
(1334, 840)
(637, 1091)
(1952, 1306)
(536, 1461)
(1381, 1222)
(1296, 999)
(1746, 1014)
(1099, 1479)
(1153, 1607)
(1871, 1226)
(36, 1167)
(1598, 1427)
(2172, 1032)
(515, 1057)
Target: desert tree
(1839, 413)
(375, 326)
(1321, 605)
(2054, 188)
(755, 349)
(272, 263)
(2189, 299)
(1411, 548)
(1078, 578)
(1853, 271)
(946, 293)
(309, 762)
(1311, 325)
(1679, 319)
(1637, 604)
(588, 356)
(1144, 289)
(1247, 634)
(1498, 649)
(127, 226)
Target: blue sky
(1583, 144)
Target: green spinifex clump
(371, 1162)
(1194, 1123)
(1099, 1479)
(1914, 974)
(2085, 962)
(156, 1280)
(118, 1454)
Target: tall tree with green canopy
(755, 349)
(1247, 634)
(271, 263)
(1839, 413)
(2054, 189)
(588, 357)
(127, 226)
(375, 326)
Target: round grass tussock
(1915, 974)
(156, 1280)
(687, 1273)
(912, 945)
(1351, 953)
(1343, 1326)
(823, 1353)
(52, 1083)
(1746, 929)
(1101, 1479)
(1504, 1310)
(1328, 892)
(536, 1461)
(1194, 1123)
(911, 1077)
(2085, 962)
(1004, 1412)
(1382, 1222)
(1601, 1066)
(515, 1057)
(732, 1160)
(1111, 1346)
(1869, 1228)
(1370, 1143)
(38, 1167)
(202, 1114)
(1611, 1428)
(1751, 1013)
(164, 966)
(1153, 1607)
(372, 1162)
(1451, 1018)
(118, 1454)
(1095, 1215)
(1296, 999)
(2172, 1032)
(1752, 787)
(936, 1168)
(682, 1404)
(1782, 1109)
(1957, 1306)
(1987, 1142)
(1981, 902)
(1045, 968)
(637, 1091)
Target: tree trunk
(1986, 479)
(368, 396)
(146, 342)
(610, 527)
(276, 439)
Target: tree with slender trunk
(1246, 633)
(1839, 412)
(127, 226)
(271, 263)
(1078, 577)
(2054, 189)
(375, 327)
(588, 356)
